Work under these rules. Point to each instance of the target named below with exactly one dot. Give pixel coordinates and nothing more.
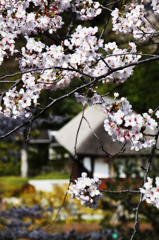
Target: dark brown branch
(52, 38)
(47, 107)
(44, 69)
(106, 63)
(128, 65)
(154, 58)
(125, 54)
(109, 15)
(150, 135)
(94, 80)
(83, 79)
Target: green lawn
(10, 184)
(53, 176)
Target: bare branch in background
(101, 144)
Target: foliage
(144, 79)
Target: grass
(10, 184)
(14, 183)
(52, 176)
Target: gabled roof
(87, 143)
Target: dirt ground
(79, 227)
(89, 227)
(83, 228)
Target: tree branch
(122, 191)
(145, 179)
(101, 144)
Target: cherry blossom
(155, 6)
(91, 97)
(133, 20)
(125, 126)
(86, 190)
(157, 113)
(150, 192)
(86, 10)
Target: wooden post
(24, 161)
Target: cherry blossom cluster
(133, 21)
(37, 55)
(17, 103)
(16, 19)
(155, 6)
(94, 63)
(91, 97)
(86, 10)
(81, 52)
(7, 4)
(86, 54)
(116, 58)
(86, 190)
(85, 45)
(78, 52)
(125, 126)
(150, 192)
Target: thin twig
(108, 4)
(76, 139)
(71, 26)
(108, 93)
(59, 210)
(110, 10)
(106, 24)
(145, 179)
(152, 24)
(29, 132)
(9, 82)
(101, 144)
(70, 180)
(122, 191)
